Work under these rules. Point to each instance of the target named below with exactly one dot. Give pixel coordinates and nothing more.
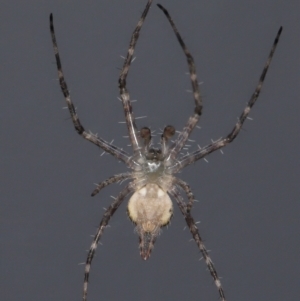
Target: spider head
(150, 208)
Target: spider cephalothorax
(152, 170)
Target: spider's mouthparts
(147, 240)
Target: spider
(153, 169)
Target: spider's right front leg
(201, 153)
(193, 120)
(106, 146)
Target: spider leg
(106, 146)
(111, 180)
(186, 188)
(195, 233)
(107, 215)
(130, 120)
(201, 153)
(193, 120)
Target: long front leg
(201, 153)
(130, 120)
(106, 146)
(193, 120)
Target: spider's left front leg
(106, 146)
(195, 233)
(130, 120)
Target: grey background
(248, 197)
